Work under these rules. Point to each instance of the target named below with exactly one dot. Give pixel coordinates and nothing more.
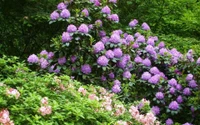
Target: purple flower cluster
(86, 69)
(174, 106)
(102, 61)
(98, 47)
(83, 28)
(85, 12)
(159, 95)
(33, 59)
(156, 110)
(117, 52)
(106, 10)
(133, 23)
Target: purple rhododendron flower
(113, 1)
(102, 33)
(33, 59)
(150, 49)
(98, 23)
(86, 69)
(103, 78)
(137, 34)
(105, 39)
(117, 52)
(154, 79)
(115, 38)
(62, 60)
(61, 6)
(155, 110)
(83, 28)
(172, 82)
(43, 63)
(109, 54)
(90, 26)
(189, 55)
(71, 28)
(98, 47)
(116, 89)
(113, 17)
(135, 45)
(102, 61)
(187, 123)
(73, 58)
(129, 38)
(50, 55)
(198, 61)
(169, 122)
(43, 52)
(52, 69)
(106, 10)
(85, 12)
(111, 75)
(159, 95)
(163, 51)
(179, 99)
(161, 45)
(172, 90)
(192, 84)
(122, 63)
(65, 13)
(117, 82)
(154, 70)
(66, 37)
(138, 59)
(178, 86)
(174, 106)
(145, 26)
(146, 62)
(127, 74)
(150, 41)
(133, 23)
(119, 32)
(54, 15)
(189, 77)
(186, 91)
(146, 76)
(140, 39)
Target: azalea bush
(27, 98)
(128, 60)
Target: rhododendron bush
(30, 99)
(130, 60)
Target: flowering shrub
(128, 61)
(60, 100)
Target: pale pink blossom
(13, 92)
(82, 90)
(120, 122)
(93, 97)
(4, 116)
(134, 111)
(45, 110)
(119, 110)
(44, 101)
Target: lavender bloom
(146, 76)
(117, 52)
(174, 106)
(102, 33)
(73, 58)
(172, 82)
(61, 6)
(98, 47)
(109, 54)
(187, 123)
(115, 38)
(138, 59)
(111, 75)
(150, 49)
(159, 95)
(85, 12)
(178, 87)
(90, 26)
(106, 10)
(50, 55)
(161, 45)
(103, 78)
(127, 74)
(66, 37)
(137, 34)
(83, 28)
(154, 79)
(145, 26)
(98, 23)
(113, 1)
(163, 51)
(189, 77)
(122, 63)
(43, 63)
(189, 55)
(150, 41)
(71, 28)
(43, 53)
(169, 122)
(133, 23)
(140, 39)
(146, 62)
(135, 45)
(86, 69)
(116, 89)
(65, 13)
(172, 90)
(54, 15)
(51, 69)
(186, 91)
(113, 17)
(117, 82)
(179, 99)
(105, 39)
(119, 32)
(62, 60)
(192, 84)
(102, 61)
(154, 70)
(33, 59)
(155, 110)
(129, 38)
(198, 61)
